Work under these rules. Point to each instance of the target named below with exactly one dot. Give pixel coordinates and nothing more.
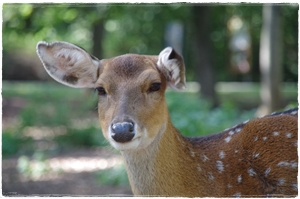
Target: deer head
(131, 106)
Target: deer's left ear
(69, 64)
(171, 64)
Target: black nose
(122, 132)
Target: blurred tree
(203, 51)
(98, 33)
(97, 14)
(271, 59)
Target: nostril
(123, 127)
(122, 132)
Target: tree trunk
(203, 52)
(270, 60)
(98, 31)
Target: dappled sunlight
(52, 168)
(44, 132)
(83, 164)
(85, 123)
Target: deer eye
(101, 91)
(154, 87)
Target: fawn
(253, 159)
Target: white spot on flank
(256, 138)
(251, 172)
(275, 133)
(264, 138)
(237, 195)
(239, 179)
(291, 164)
(192, 153)
(227, 139)
(283, 164)
(294, 112)
(267, 171)
(222, 154)
(229, 186)
(236, 151)
(296, 144)
(204, 158)
(288, 135)
(199, 168)
(231, 133)
(294, 165)
(220, 166)
(238, 130)
(255, 155)
(295, 186)
(281, 181)
(210, 176)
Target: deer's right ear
(69, 64)
(171, 64)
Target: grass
(115, 176)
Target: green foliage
(139, 28)
(74, 23)
(52, 116)
(87, 137)
(10, 144)
(194, 117)
(115, 176)
(14, 142)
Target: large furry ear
(171, 64)
(69, 64)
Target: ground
(72, 172)
(65, 183)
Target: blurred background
(241, 62)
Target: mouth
(124, 146)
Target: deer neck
(160, 168)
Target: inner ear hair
(172, 55)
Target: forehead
(129, 66)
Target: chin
(132, 145)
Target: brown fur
(180, 168)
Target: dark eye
(101, 91)
(154, 87)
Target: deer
(256, 158)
